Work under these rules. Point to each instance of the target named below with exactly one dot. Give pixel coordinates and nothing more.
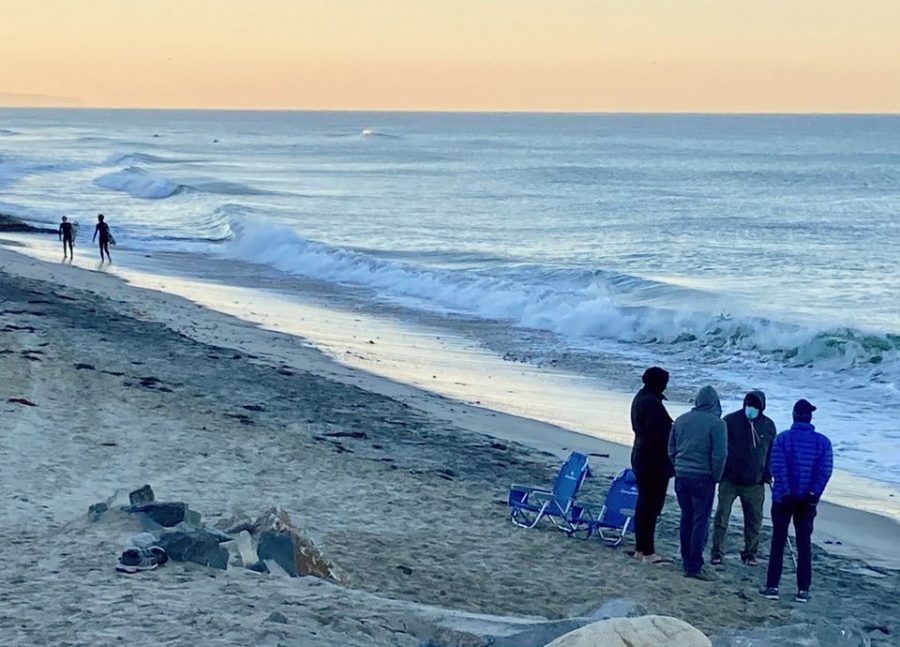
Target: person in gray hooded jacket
(698, 447)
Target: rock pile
(270, 544)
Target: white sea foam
(139, 184)
(570, 306)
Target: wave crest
(139, 183)
(132, 158)
(577, 305)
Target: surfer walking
(102, 230)
(67, 236)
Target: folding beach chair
(614, 518)
(529, 505)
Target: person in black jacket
(650, 460)
(747, 470)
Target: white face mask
(752, 413)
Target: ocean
(743, 251)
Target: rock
(14, 225)
(646, 631)
(235, 524)
(142, 495)
(278, 617)
(97, 510)
(283, 543)
(165, 514)
(196, 545)
(612, 608)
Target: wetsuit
(66, 232)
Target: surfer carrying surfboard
(102, 230)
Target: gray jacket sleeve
(719, 450)
(672, 444)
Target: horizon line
(526, 111)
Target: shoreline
(405, 489)
(346, 340)
(855, 532)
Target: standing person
(698, 448)
(801, 466)
(650, 460)
(67, 236)
(102, 229)
(750, 438)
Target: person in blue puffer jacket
(801, 467)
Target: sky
(528, 55)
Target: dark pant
(803, 513)
(695, 496)
(650, 500)
(752, 497)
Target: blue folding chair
(613, 519)
(529, 505)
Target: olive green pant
(752, 497)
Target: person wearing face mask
(747, 470)
(650, 460)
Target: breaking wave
(140, 183)
(132, 158)
(579, 305)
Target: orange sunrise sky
(562, 55)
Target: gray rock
(196, 545)
(278, 617)
(539, 635)
(165, 514)
(142, 495)
(612, 608)
(97, 510)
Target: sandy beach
(404, 490)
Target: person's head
(65, 219)
(100, 217)
(656, 379)
(754, 404)
(803, 410)
(707, 399)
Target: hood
(759, 395)
(707, 400)
(656, 379)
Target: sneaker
(703, 575)
(769, 593)
(715, 561)
(135, 560)
(802, 597)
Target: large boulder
(645, 631)
(288, 547)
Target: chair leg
(538, 516)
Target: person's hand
(813, 499)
